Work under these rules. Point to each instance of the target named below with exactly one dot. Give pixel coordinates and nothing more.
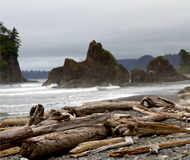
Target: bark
(10, 151)
(100, 107)
(144, 149)
(14, 137)
(40, 146)
(147, 128)
(95, 144)
(53, 125)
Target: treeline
(35, 74)
(184, 62)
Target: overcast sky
(52, 30)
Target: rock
(138, 75)
(99, 69)
(186, 89)
(160, 70)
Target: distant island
(33, 74)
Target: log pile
(93, 128)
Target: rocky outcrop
(99, 69)
(185, 90)
(10, 69)
(160, 70)
(138, 75)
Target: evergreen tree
(184, 57)
(14, 38)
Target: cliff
(99, 69)
(9, 69)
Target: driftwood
(184, 95)
(128, 141)
(144, 149)
(100, 107)
(10, 151)
(14, 137)
(147, 128)
(95, 144)
(40, 146)
(15, 122)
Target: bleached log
(101, 107)
(53, 125)
(14, 137)
(45, 145)
(10, 151)
(128, 141)
(16, 121)
(184, 95)
(147, 128)
(144, 149)
(178, 135)
(95, 144)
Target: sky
(52, 30)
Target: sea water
(17, 99)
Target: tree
(184, 57)
(14, 38)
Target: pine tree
(184, 57)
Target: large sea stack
(160, 70)
(99, 69)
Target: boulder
(138, 75)
(99, 69)
(160, 70)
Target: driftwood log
(40, 146)
(101, 107)
(144, 149)
(10, 151)
(95, 144)
(147, 128)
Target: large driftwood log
(144, 149)
(40, 146)
(16, 121)
(95, 144)
(184, 95)
(14, 137)
(54, 125)
(147, 128)
(100, 107)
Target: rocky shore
(175, 153)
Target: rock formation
(99, 69)
(160, 70)
(10, 70)
(138, 75)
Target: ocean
(17, 99)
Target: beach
(171, 153)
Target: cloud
(54, 30)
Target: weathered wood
(40, 146)
(147, 128)
(150, 102)
(16, 121)
(111, 122)
(144, 149)
(128, 141)
(95, 144)
(48, 126)
(184, 95)
(10, 151)
(100, 107)
(13, 137)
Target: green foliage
(110, 55)
(162, 58)
(9, 40)
(3, 65)
(184, 58)
(184, 69)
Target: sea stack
(100, 68)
